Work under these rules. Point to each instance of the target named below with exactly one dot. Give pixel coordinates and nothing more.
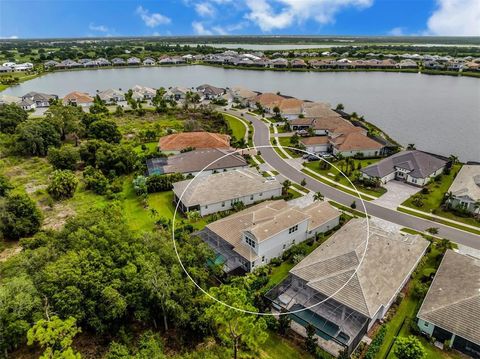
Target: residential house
(177, 142)
(111, 96)
(77, 98)
(143, 93)
(413, 167)
(50, 64)
(210, 92)
(355, 143)
(316, 144)
(318, 110)
(256, 235)
(148, 61)
(290, 108)
(220, 191)
(40, 99)
(279, 63)
(103, 62)
(266, 100)
(407, 64)
(203, 161)
(27, 104)
(348, 283)
(68, 64)
(117, 61)
(177, 93)
(242, 95)
(465, 189)
(134, 61)
(450, 312)
(298, 64)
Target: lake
(439, 114)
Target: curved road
(262, 138)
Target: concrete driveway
(397, 193)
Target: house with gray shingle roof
(413, 167)
(451, 309)
(348, 283)
(466, 189)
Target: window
(263, 259)
(250, 242)
(293, 242)
(251, 197)
(293, 229)
(284, 246)
(261, 194)
(223, 204)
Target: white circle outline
(263, 313)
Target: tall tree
(233, 326)
(19, 217)
(11, 116)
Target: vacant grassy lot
(237, 126)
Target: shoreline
(253, 68)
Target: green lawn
(285, 141)
(236, 125)
(335, 175)
(432, 202)
(278, 347)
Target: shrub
(5, 186)
(62, 184)
(104, 130)
(376, 343)
(63, 158)
(95, 180)
(140, 185)
(161, 183)
(19, 217)
(11, 116)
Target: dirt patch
(56, 216)
(10, 252)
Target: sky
(104, 18)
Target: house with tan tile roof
(290, 108)
(316, 144)
(253, 237)
(450, 312)
(355, 143)
(177, 142)
(77, 98)
(266, 99)
(348, 283)
(219, 192)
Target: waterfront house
(266, 100)
(465, 189)
(209, 92)
(290, 108)
(40, 99)
(143, 93)
(50, 64)
(103, 62)
(177, 93)
(117, 61)
(407, 64)
(279, 63)
(355, 143)
(77, 98)
(177, 142)
(111, 96)
(318, 110)
(148, 61)
(256, 235)
(134, 61)
(207, 161)
(450, 312)
(27, 104)
(298, 64)
(242, 95)
(413, 167)
(348, 283)
(219, 192)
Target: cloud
(200, 29)
(205, 9)
(397, 31)
(13, 37)
(100, 28)
(455, 18)
(279, 14)
(152, 19)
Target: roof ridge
(452, 303)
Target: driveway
(397, 193)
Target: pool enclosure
(332, 320)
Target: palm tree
(285, 186)
(411, 146)
(340, 107)
(448, 199)
(453, 159)
(318, 197)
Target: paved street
(261, 138)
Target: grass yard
(335, 175)
(432, 202)
(131, 124)
(236, 125)
(285, 142)
(278, 347)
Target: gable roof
(389, 260)
(420, 164)
(467, 182)
(268, 218)
(197, 140)
(453, 300)
(195, 161)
